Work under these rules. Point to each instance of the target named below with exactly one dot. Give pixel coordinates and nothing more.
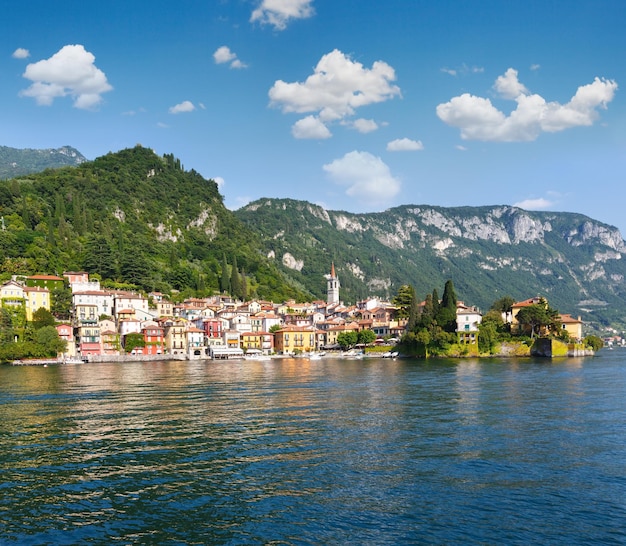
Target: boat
(316, 356)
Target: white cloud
(478, 119)
(219, 181)
(70, 71)
(461, 148)
(21, 53)
(535, 66)
(336, 88)
(508, 86)
(463, 70)
(185, 106)
(404, 145)
(162, 125)
(534, 204)
(365, 125)
(310, 127)
(279, 12)
(367, 177)
(223, 55)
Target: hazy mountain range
(18, 162)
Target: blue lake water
(315, 452)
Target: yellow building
(36, 298)
(257, 341)
(295, 339)
(574, 327)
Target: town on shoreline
(117, 325)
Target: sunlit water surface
(315, 452)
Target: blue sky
(356, 105)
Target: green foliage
(594, 342)
(446, 314)
(538, 317)
(135, 219)
(347, 339)
(503, 305)
(133, 341)
(42, 317)
(366, 337)
(42, 343)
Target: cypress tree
(447, 312)
(235, 280)
(225, 278)
(413, 310)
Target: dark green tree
(61, 302)
(503, 305)
(47, 338)
(98, 257)
(446, 314)
(537, 318)
(42, 317)
(428, 313)
(403, 300)
(235, 280)
(225, 277)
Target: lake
(330, 451)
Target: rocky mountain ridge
(19, 162)
(488, 251)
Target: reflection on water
(307, 452)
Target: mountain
(15, 162)
(135, 218)
(489, 252)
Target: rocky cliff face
(489, 252)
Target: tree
(98, 257)
(61, 302)
(347, 339)
(366, 337)
(47, 338)
(503, 305)
(488, 330)
(6, 326)
(446, 316)
(225, 278)
(428, 314)
(537, 318)
(403, 299)
(235, 280)
(594, 342)
(42, 317)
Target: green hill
(136, 218)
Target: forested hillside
(134, 218)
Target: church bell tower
(332, 290)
